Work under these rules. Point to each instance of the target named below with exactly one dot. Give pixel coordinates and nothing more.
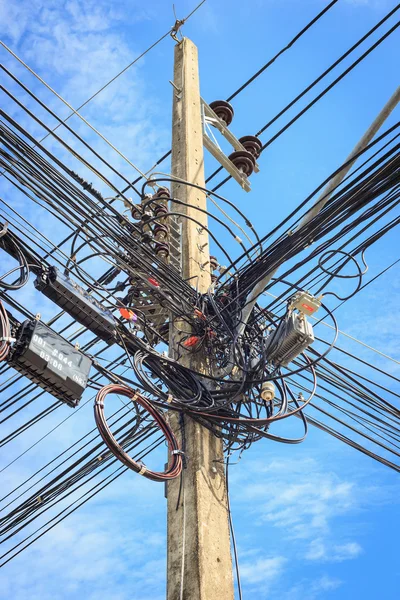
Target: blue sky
(312, 521)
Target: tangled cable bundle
(175, 467)
(228, 397)
(232, 367)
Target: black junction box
(50, 361)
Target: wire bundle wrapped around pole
(175, 464)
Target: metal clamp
(175, 30)
(143, 470)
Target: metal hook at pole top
(180, 22)
(175, 30)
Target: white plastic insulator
(267, 391)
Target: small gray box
(293, 335)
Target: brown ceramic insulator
(223, 110)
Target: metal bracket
(177, 90)
(9, 340)
(178, 452)
(210, 118)
(201, 247)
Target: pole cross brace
(210, 118)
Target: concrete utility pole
(199, 565)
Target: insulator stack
(162, 250)
(223, 110)
(147, 232)
(159, 229)
(146, 226)
(162, 193)
(213, 263)
(161, 232)
(244, 161)
(159, 211)
(252, 144)
(136, 212)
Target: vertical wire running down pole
(183, 537)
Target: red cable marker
(192, 341)
(153, 282)
(127, 314)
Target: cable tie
(99, 403)
(143, 470)
(10, 340)
(170, 398)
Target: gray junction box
(292, 336)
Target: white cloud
(312, 589)
(262, 570)
(304, 510)
(19, 18)
(112, 547)
(316, 551)
(302, 501)
(347, 551)
(88, 34)
(321, 551)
